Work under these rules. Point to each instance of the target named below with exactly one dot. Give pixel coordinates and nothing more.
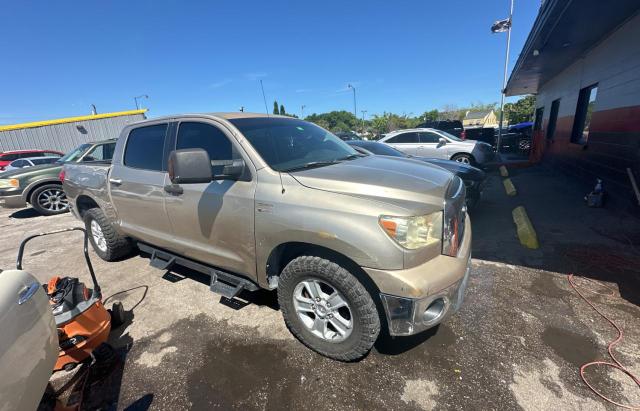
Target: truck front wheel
(327, 308)
(106, 242)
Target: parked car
(517, 138)
(347, 135)
(350, 242)
(30, 162)
(429, 142)
(7, 157)
(474, 178)
(454, 127)
(40, 185)
(28, 341)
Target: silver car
(432, 143)
(30, 162)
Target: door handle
(173, 189)
(26, 294)
(115, 181)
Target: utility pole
(363, 113)
(499, 27)
(355, 112)
(135, 99)
(302, 111)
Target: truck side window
(207, 137)
(145, 147)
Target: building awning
(563, 31)
(71, 119)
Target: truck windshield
(290, 144)
(75, 154)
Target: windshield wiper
(312, 164)
(351, 157)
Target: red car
(8, 156)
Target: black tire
(365, 318)
(115, 246)
(464, 158)
(49, 199)
(118, 316)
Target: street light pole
(363, 113)
(504, 81)
(355, 112)
(135, 99)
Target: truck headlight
(413, 232)
(9, 183)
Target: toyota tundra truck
(354, 244)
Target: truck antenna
(266, 109)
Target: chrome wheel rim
(323, 310)
(98, 236)
(463, 159)
(53, 199)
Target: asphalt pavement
(517, 342)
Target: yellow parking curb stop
(509, 187)
(503, 171)
(526, 232)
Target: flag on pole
(501, 26)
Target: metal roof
(563, 32)
(70, 120)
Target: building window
(537, 123)
(584, 110)
(553, 119)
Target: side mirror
(189, 166)
(231, 170)
(442, 141)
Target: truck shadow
(25, 213)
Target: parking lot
(517, 342)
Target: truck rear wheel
(106, 242)
(327, 308)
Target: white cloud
(220, 83)
(255, 76)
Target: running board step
(161, 261)
(224, 283)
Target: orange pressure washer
(82, 321)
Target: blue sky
(405, 57)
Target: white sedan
(30, 162)
(432, 143)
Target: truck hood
(29, 171)
(381, 178)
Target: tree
(282, 112)
(275, 108)
(520, 111)
(335, 120)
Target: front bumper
(408, 316)
(421, 297)
(12, 201)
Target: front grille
(454, 217)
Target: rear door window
(404, 138)
(145, 148)
(208, 137)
